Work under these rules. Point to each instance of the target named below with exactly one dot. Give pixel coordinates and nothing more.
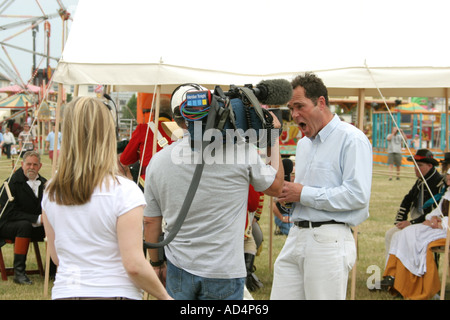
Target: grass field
(385, 199)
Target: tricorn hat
(446, 158)
(424, 155)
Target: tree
(129, 111)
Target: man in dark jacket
(413, 202)
(20, 218)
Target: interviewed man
(205, 260)
(330, 193)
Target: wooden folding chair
(8, 271)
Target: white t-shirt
(90, 264)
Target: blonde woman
(93, 216)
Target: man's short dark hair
(313, 85)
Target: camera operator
(331, 192)
(205, 260)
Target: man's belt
(310, 224)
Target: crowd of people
(25, 141)
(124, 201)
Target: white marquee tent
(399, 46)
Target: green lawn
(385, 199)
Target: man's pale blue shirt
(51, 138)
(335, 168)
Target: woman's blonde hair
(88, 152)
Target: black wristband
(157, 263)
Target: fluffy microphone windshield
(274, 92)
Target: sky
(23, 61)
(379, 32)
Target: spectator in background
(445, 163)
(26, 140)
(395, 151)
(8, 141)
(50, 141)
(415, 143)
(282, 218)
(282, 211)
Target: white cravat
(34, 184)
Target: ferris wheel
(25, 37)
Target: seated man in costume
(419, 194)
(21, 218)
(411, 269)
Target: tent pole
(156, 118)
(446, 118)
(360, 124)
(39, 135)
(271, 221)
(361, 105)
(445, 266)
(55, 159)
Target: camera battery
(197, 99)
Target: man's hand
(276, 123)
(403, 224)
(291, 192)
(161, 272)
(434, 222)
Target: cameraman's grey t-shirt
(210, 242)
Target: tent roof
(16, 101)
(16, 89)
(147, 43)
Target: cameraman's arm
(275, 189)
(273, 152)
(152, 231)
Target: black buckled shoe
(22, 279)
(387, 283)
